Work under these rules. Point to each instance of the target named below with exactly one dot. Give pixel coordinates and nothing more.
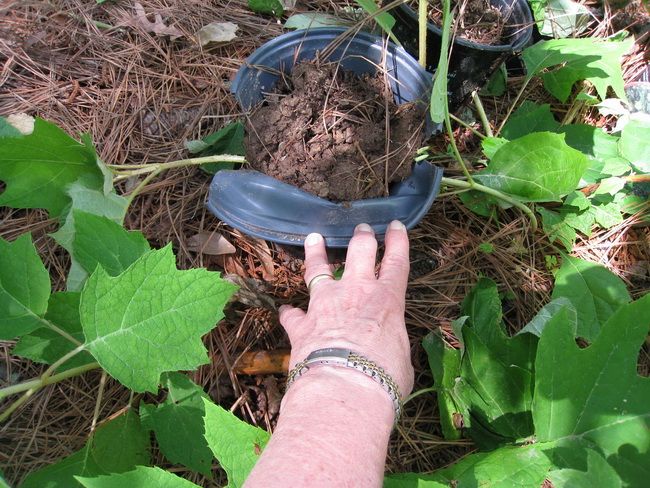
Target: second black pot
(470, 64)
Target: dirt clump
(477, 20)
(326, 133)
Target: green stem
(422, 31)
(416, 394)
(481, 112)
(143, 169)
(58, 330)
(512, 106)
(467, 126)
(140, 187)
(495, 193)
(454, 148)
(37, 383)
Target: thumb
(291, 319)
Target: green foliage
(38, 167)
(530, 117)
(24, 288)
(438, 105)
(151, 307)
(385, 20)
(562, 18)
(273, 7)
(227, 140)
(140, 477)
(44, 345)
(538, 167)
(117, 446)
(634, 145)
(178, 423)
(594, 291)
(597, 61)
(236, 444)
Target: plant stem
(37, 383)
(481, 112)
(142, 169)
(416, 394)
(100, 393)
(467, 126)
(512, 106)
(422, 31)
(471, 185)
(140, 187)
(454, 148)
(58, 330)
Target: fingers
(291, 319)
(395, 265)
(316, 262)
(362, 254)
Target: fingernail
(396, 225)
(363, 228)
(313, 238)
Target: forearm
(333, 431)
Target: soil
(476, 20)
(325, 132)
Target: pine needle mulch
(94, 68)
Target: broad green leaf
(491, 145)
(227, 140)
(610, 186)
(594, 291)
(117, 446)
(100, 241)
(595, 394)
(444, 362)
(600, 148)
(140, 477)
(312, 20)
(578, 200)
(438, 103)
(7, 129)
(496, 85)
(557, 229)
(581, 221)
(598, 61)
(385, 20)
(37, 168)
(506, 467)
(236, 444)
(150, 319)
(493, 392)
(273, 7)
(576, 466)
(24, 287)
(547, 312)
(564, 18)
(538, 167)
(480, 203)
(46, 346)
(607, 214)
(178, 423)
(634, 144)
(530, 117)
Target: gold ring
(318, 278)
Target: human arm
(335, 422)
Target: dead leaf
(211, 243)
(217, 32)
(251, 292)
(263, 252)
(157, 27)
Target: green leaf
(480, 203)
(578, 200)
(227, 140)
(491, 145)
(547, 312)
(150, 319)
(7, 129)
(496, 85)
(117, 446)
(597, 61)
(438, 104)
(564, 18)
(273, 7)
(178, 423)
(634, 144)
(538, 167)
(46, 346)
(313, 20)
(557, 229)
(530, 117)
(140, 477)
(236, 444)
(582, 221)
(385, 20)
(594, 291)
(24, 287)
(100, 241)
(581, 467)
(493, 392)
(610, 186)
(595, 394)
(607, 214)
(37, 168)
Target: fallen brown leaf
(217, 32)
(157, 27)
(211, 243)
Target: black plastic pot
(470, 64)
(265, 207)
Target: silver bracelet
(348, 359)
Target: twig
(98, 403)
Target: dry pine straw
(140, 96)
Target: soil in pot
(334, 134)
(476, 20)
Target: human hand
(360, 311)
